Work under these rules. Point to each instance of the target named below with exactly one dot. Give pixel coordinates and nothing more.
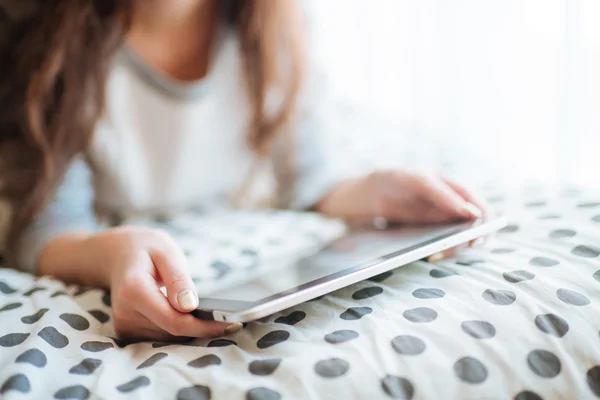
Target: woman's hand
(407, 197)
(134, 263)
(139, 262)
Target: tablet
(359, 255)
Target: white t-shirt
(164, 146)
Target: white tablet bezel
(242, 311)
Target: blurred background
(517, 82)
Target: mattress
(516, 319)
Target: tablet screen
(355, 251)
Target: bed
(516, 319)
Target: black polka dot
(552, 324)
(53, 337)
(221, 268)
(438, 273)
(5, 288)
(34, 357)
(572, 297)
(205, 361)
(81, 291)
(354, 313)
(106, 299)
(503, 250)
(518, 276)
(509, 229)
(33, 290)
(469, 262)
(408, 345)
(100, 315)
(544, 363)
(543, 262)
(597, 275)
(534, 204)
(73, 392)
(596, 218)
(495, 199)
(121, 343)
(136, 383)
(591, 204)
(341, 336)
(262, 393)
(75, 321)
(153, 359)
(291, 319)
(470, 370)
(420, 314)
(479, 329)
(161, 219)
(221, 343)
(562, 233)
(13, 339)
(427, 293)
(499, 297)
(272, 338)
(549, 216)
(86, 367)
(593, 380)
(10, 306)
(381, 277)
(397, 387)
(249, 252)
(585, 251)
(95, 347)
(196, 392)
(32, 319)
(367, 292)
(332, 368)
(18, 383)
(58, 293)
(527, 395)
(264, 367)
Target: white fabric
(517, 318)
(153, 151)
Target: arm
(65, 242)
(57, 241)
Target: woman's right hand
(138, 262)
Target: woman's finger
(437, 192)
(172, 269)
(469, 196)
(443, 255)
(154, 306)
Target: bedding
(516, 319)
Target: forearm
(75, 258)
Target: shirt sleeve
(319, 151)
(71, 210)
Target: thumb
(172, 268)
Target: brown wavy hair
(56, 56)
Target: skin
(175, 36)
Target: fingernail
(478, 242)
(435, 257)
(233, 328)
(187, 300)
(473, 210)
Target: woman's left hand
(407, 197)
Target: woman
(174, 103)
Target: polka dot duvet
(516, 319)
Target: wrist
(351, 199)
(77, 258)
